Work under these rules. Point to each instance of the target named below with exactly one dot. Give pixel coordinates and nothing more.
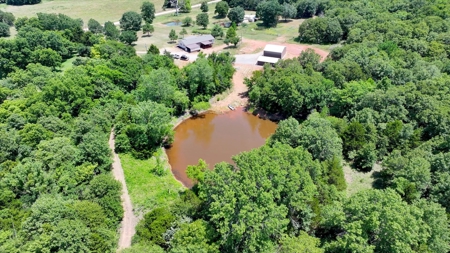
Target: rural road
(129, 221)
(173, 11)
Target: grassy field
(358, 181)
(285, 32)
(67, 64)
(101, 10)
(161, 35)
(146, 189)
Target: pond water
(173, 23)
(215, 138)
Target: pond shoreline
(215, 137)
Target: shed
(194, 43)
(274, 51)
(264, 59)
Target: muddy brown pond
(215, 138)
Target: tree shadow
(146, 35)
(243, 94)
(230, 47)
(378, 182)
(217, 17)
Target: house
(271, 54)
(194, 43)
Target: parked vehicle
(184, 57)
(175, 56)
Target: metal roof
(267, 59)
(197, 39)
(274, 48)
(193, 47)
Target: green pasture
(101, 10)
(146, 189)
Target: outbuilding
(195, 43)
(274, 51)
(264, 59)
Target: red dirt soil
(238, 96)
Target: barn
(274, 51)
(195, 43)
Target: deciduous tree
(187, 21)
(289, 11)
(111, 31)
(128, 37)
(269, 11)
(230, 192)
(193, 237)
(4, 30)
(236, 15)
(217, 31)
(94, 26)
(221, 9)
(204, 6)
(202, 20)
(302, 243)
(131, 21)
(183, 32)
(148, 12)
(148, 28)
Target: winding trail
(129, 221)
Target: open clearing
(147, 190)
(358, 181)
(101, 10)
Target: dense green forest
(56, 190)
(382, 96)
(20, 2)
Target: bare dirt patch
(129, 220)
(238, 95)
(293, 50)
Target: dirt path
(238, 95)
(129, 221)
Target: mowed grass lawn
(147, 190)
(101, 10)
(160, 37)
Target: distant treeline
(20, 2)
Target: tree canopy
(131, 21)
(148, 12)
(222, 9)
(268, 12)
(236, 15)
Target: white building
(271, 54)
